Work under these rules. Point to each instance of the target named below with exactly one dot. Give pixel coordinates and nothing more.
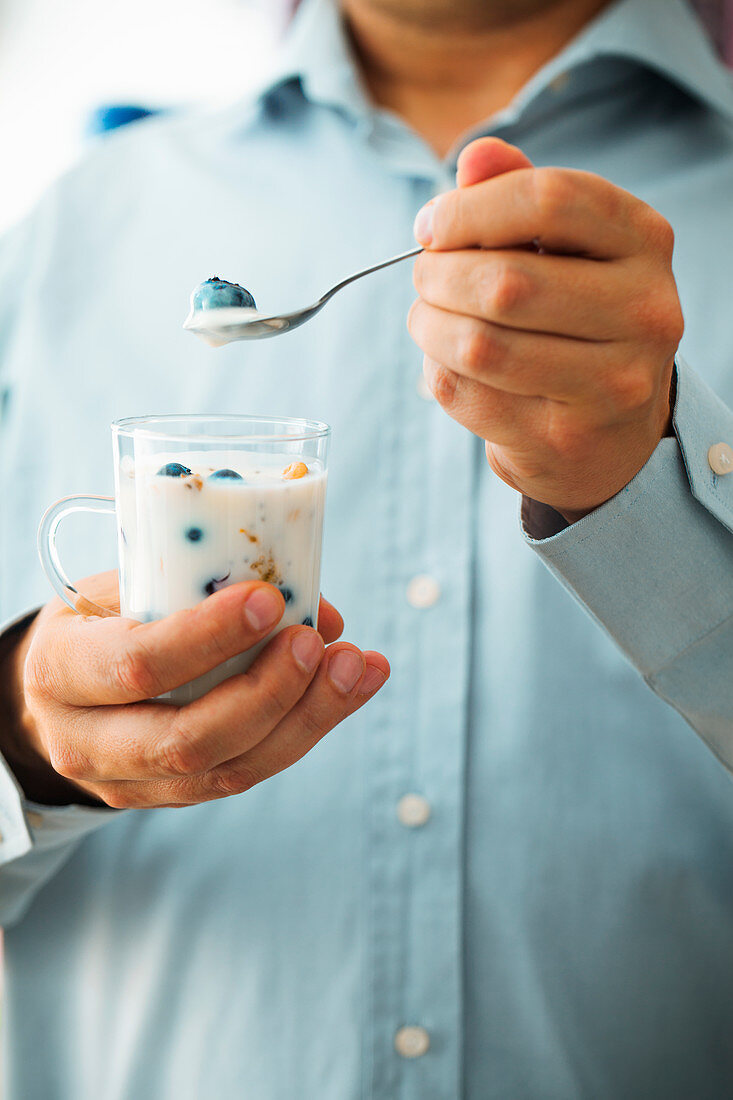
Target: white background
(59, 59)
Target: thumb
(487, 157)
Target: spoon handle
(368, 271)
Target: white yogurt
(224, 325)
(182, 538)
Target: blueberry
(215, 584)
(217, 293)
(193, 534)
(173, 469)
(220, 475)
(307, 621)
(287, 593)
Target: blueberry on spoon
(214, 295)
(217, 293)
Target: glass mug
(203, 502)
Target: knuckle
(670, 322)
(476, 352)
(567, 439)
(213, 640)
(118, 797)
(503, 468)
(67, 761)
(180, 754)
(233, 779)
(661, 318)
(132, 673)
(631, 389)
(273, 695)
(443, 384)
(507, 289)
(272, 691)
(39, 679)
(314, 723)
(661, 233)
(553, 192)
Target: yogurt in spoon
(231, 302)
(222, 312)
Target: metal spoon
(222, 326)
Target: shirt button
(423, 389)
(413, 810)
(720, 458)
(423, 591)
(412, 1042)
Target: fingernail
(373, 679)
(263, 609)
(307, 649)
(423, 228)
(345, 669)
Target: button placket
(415, 876)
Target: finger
(91, 661)
(564, 295)
(530, 364)
(506, 419)
(561, 210)
(345, 681)
(335, 693)
(330, 622)
(142, 741)
(487, 157)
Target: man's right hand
(85, 726)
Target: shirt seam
(582, 538)
(690, 645)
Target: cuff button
(720, 458)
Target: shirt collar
(317, 54)
(663, 36)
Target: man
(509, 875)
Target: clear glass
(203, 502)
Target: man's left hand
(549, 318)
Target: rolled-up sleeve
(35, 840)
(654, 565)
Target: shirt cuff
(654, 565)
(27, 825)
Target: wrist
(667, 429)
(18, 734)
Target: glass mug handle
(48, 552)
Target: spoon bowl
(230, 323)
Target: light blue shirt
(561, 926)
